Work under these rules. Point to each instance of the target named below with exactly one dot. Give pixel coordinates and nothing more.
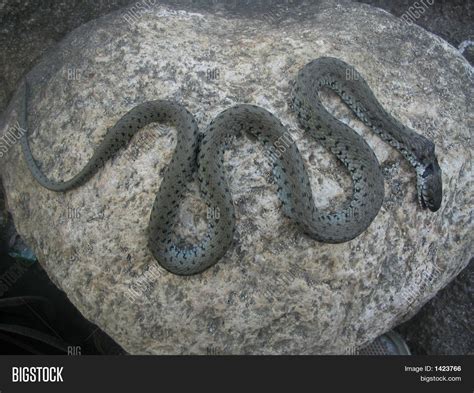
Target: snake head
(430, 188)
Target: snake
(200, 155)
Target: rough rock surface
(276, 291)
(444, 326)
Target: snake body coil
(206, 157)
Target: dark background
(27, 30)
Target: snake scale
(202, 154)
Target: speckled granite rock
(276, 291)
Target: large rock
(276, 291)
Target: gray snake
(203, 154)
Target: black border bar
(222, 373)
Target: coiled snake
(204, 155)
